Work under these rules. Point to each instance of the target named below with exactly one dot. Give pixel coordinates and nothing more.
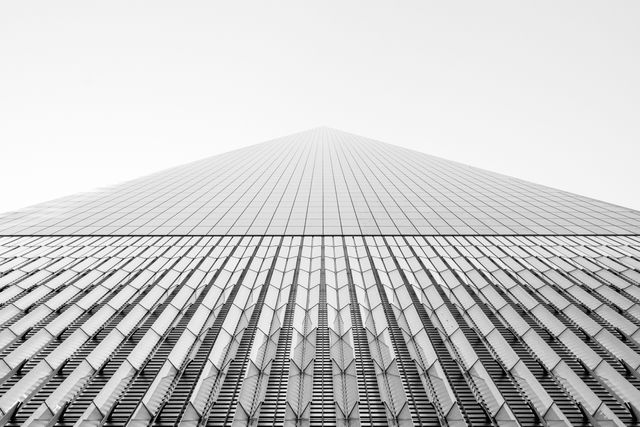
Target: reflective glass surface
(327, 182)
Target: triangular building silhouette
(320, 279)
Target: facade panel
(323, 182)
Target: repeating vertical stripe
(320, 330)
(323, 182)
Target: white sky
(95, 93)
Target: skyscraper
(321, 279)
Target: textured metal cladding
(331, 330)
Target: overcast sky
(94, 93)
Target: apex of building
(323, 182)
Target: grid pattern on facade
(323, 182)
(323, 330)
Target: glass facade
(323, 182)
(322, 279)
